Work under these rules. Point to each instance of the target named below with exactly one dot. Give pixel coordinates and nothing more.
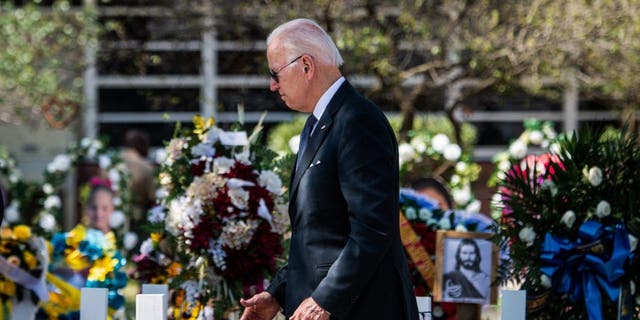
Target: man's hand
(261, 306)
(310, 310)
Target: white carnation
(159, 156)
(116, 220)
(222, 165)
(47, 188)
(595, 176)
(418, 144)
(130, 240)
(104, 161)
(183, 216)
(527, 235)
(603, 209)
(461, 166)
(568, 218)
(439, 142)
(406, 153)
(47, 222)
(536, 137)
(52, 201)
(60, 163)
(270, 181)
(518, 149)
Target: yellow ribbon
(416, 251)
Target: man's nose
(273, 85)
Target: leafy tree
(42, 61)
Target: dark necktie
(304, 137)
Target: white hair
(305, 36)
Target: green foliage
(42, 58)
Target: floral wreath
(218, 231)
(421, 218)
(43, 199)
(90, 251)
(23, 259)
(570, 221)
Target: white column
(93, 304)
(162, 289)
(570, 103)
(209, 55)
(150, 307)
(514, 304)
(90, 88)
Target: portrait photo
(465, 267)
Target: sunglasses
(274, 74)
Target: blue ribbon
(583, 267)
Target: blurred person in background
(143, 189)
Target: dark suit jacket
(345, 249)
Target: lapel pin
(317, 162)
(323, 126)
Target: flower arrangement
(423, 219)
(23, 261)
(218, 232)
(570, 221)
(86, 257)
(39, 204)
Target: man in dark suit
(346, 260)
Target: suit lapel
(319, 134)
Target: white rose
(444, 223)
(52, 201)
(425, 214)
(130, 240)
(47, 188)
(116, 219)
(545, 281)
(104, 162)
(527, 235)
(461, 166)
(536, 137)
(462, 195)
(633, 242)
(452, 152)
(12, 213)
(270, 181)
(439, 142)
(410, 213)
(418, 144)
(603, 209)
(595, 176)
(455, 179)
(406, 153)
(47, 222)
(504, 166)
(568, 218)
(518, 149)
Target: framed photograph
(466, 265)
